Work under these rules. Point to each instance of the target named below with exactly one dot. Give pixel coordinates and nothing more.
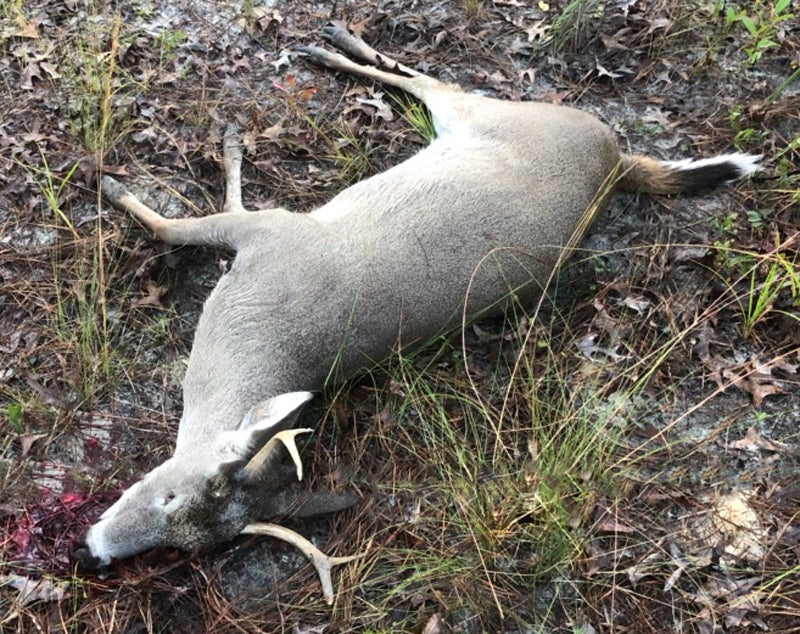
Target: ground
(622, 458)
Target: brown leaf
(752, 442)
(758, 381)
(50, 69)
(30, 71)
(610, 525)
(27, 440)
(383, 110)
(436, 625)
(153, 296)
(30, 590)
(602, 72)
(27, 28)
(612, 43)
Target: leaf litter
(743, 438)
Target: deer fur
(487, 211)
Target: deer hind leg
(452, 110)
(345, 41)
(226, 229)
(382, 68)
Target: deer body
(391, 261)
(486, 212)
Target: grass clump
(511, 471)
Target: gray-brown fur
(489, 208)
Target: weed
(91, 86)
(761, 24)
(11, 10)
(78, 315)
(51, 188)
(765, 279)
(776, 94)
(724, 225)
(471, 8)
(14, 413)
(513, 466)
(168, 41)
(348, 152)
(782, 275)
(744, 133)
(755, 218)
(351, 155)
(575, 25)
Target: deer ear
(260, 424)
(275, 410)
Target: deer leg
(446, 103)
(225, 229)
(382, 68)
(341, 38)
(216, 230)
(232, 164)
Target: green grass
(574, 25)
(496, 479)
(758, 280)
(92, 84)
(416, 114)
(761, 21)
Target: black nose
(86, 561)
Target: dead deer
(488, 210)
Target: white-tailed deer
(490, 208)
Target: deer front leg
(226, 229)
(232, 164)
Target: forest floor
(623, 458)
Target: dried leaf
(27, 441)
(638, 304)
(31, 590)
(738, 522)
(612, 43)
(153, 296)
(377, 102)
(610, 525)
(50, 69)
(757, 381)
(673, 578)
(753, 441)
(602, 72)
(436, 625)
(27, 28)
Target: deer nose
(87, 562)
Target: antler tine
(322, 562)
(285, 437)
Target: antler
(264, 455)
(322, 562)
